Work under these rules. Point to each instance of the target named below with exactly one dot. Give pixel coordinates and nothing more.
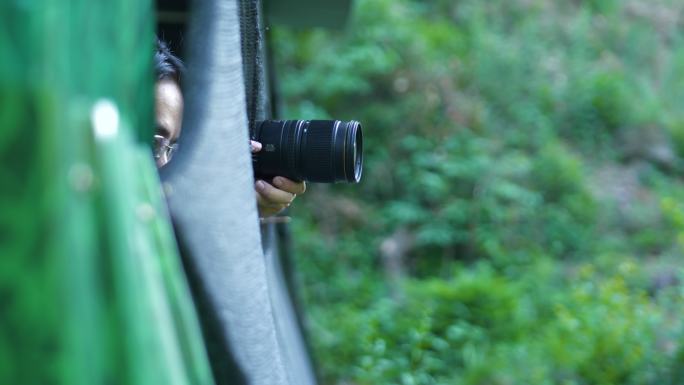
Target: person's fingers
(254, 146)
(289, 185)
(263, 213)
(272, 194)
(268, 208)
(272, 200)
(264, 203)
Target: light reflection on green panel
(91, 288)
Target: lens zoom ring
(290, 147)
(317, 156)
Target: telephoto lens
(323, 151)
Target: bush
(480, 327)
(486, 127)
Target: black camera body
(323, 151)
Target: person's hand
(273, 198)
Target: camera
(323, 151)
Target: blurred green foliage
(523, 165)
(92, 290)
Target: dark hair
(166, 64)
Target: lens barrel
(324, 151)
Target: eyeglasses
(163, 148)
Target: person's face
(168, 103)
